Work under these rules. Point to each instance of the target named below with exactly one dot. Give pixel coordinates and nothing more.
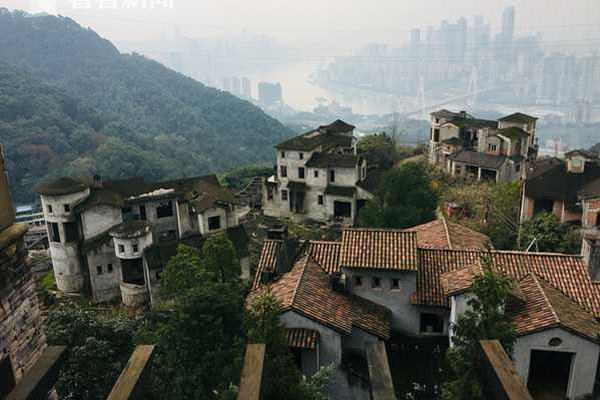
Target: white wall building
(319, 177)
(113, 239)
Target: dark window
(67, 208)
(316, 173)
(135, 248)
(110, 268)
(436, 135)
(132, 271)
(49, 208)
(121, 248)
(358, 281)
(375, 282)
(143, 212)
(332, 175)
(342, 209)
(164, 210)
(71, 232)
(99, 270)
(598, 219)
(555, 342)
(437, 120)
(300, 173)
(301, 156)
(432, 323)
(214, 223)
(395, 284)
(269, 193)
(320, 200)
(284, 195)
(283, 171)
(283, 154)
(54, 232)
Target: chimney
(590, 250)
(97, 181)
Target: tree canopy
(546, 234)
(405, 198)
(91, 108)
(484, 320)
(379, 149)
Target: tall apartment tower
(508, 24)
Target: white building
(112, 239)
(32, 216)
(485, 149)
(423, 277)
(319, 177)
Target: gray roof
(321, 160)
(518, 117)
(512, 133)
(444, 113)
(328, 136)
(478, 159)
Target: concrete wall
(330, 348)
(184, 218)
(58, 206)
(405, 316)
(105, 286)
(228, 219)
(67, 267)
(458, 306)
(98, 219)
(142, 242)
(585, 361)
(165, 224)
(358, 340)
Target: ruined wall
(21, 335)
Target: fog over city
(363, 58)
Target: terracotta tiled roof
(566, 272)
(306, 289)
(547, 307)
(302, 338)
(326, 254)
(268, 259)
(443, 234)
(460, 279)
(379, 249)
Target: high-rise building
(508, 24)
(235, 86)
(246, 88)
(269, 93)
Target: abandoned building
(485, 149)
(21, 337)
(569, 189)
(319, 177)
(422, 277)
(113, 239)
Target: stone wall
(21, 335)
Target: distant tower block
(472, 89)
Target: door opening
(549, 373)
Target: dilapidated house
(485, 149)
(422, 277)
(112, 239)
(319, 177)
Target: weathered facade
(319, 177)
(112, 239)
(487, 150)
(569, 189)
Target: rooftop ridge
(447, 232)
(536, 279)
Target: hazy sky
(319, 24)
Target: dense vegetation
(404, 198)
(200, 327)
(117, 114)
(484, 320)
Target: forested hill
(142, 117)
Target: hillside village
(351, 282)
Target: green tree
(379, 149)
(198, 330)
(281, 378)
(405, 197)
(486, 320)
(104, 343)
(547, 234)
